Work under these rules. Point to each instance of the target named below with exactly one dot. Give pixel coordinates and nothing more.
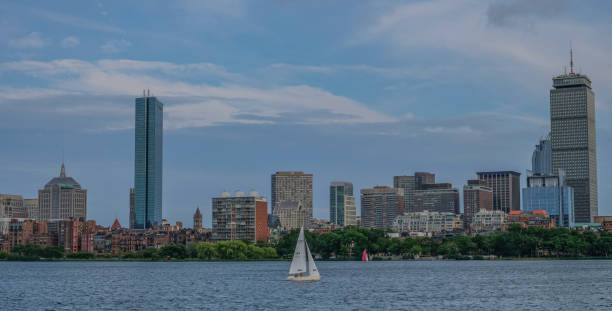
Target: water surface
(399, 285)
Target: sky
(354, 91)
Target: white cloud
(115, 46)
(32, 40)
(193, 104)
(70, 42)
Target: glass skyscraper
(550, 193)
(541, 161)
(342, 209)
(148, 163)
(572, 120)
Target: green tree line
(516, 242)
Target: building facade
(12, 206)
(551, 194)
(428, 222)
(32, 209)
(293, 187)
(572, 120)
(240, 217)
(342, 210)
(62, 198)
(476, 196)
(541, 160)
(380, 206)
(148, 162)
(197, 220)
(441, 197)
(486, 220)
(411, 184)
(506, 186)
(132, 211)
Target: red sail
(364, 256)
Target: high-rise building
(32, 208)
(148, 162)
(11, 206)
(506, 186)
(476, 196)
(550, 193)
(62, 198)
(541, 160)
(380, 205)
(240, 217)
(132, 211)
(296, 187)
(572, 121)
(197, 220)
(342, 209)
(410, 184)
(441, 197)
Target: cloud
(70, 42)
(115, 46)
(76, 22)
(189, 102)
(32, 40)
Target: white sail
(312, 268)
(298, 264)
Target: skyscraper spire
(63, 171)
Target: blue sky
(346, 90)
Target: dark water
(435, 285)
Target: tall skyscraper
(506, 186)
(295, 187)
(380, 206)
(476, 196)
(572, 120)
(541, 160)
(240, 217)
(550, 193)
(62, 198)
(148, 162)
(342, 204)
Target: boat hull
(308, 278)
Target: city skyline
(332, 107)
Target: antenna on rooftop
(571, 59)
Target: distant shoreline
(288, 260)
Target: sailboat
(303, 267)
(364, 256)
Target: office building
(32, 209)
(440, 197)
(476, 196)
(240, 217)
(541, 160)
(62, 198)
(11, 206)
(572, 120)
(342, 210)
(380, 205)
(506, 186)
(148, 162)
(294, 187)
(551, 194)
(410, 184)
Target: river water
(391, 285)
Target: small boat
(364, 256)
(303, 267)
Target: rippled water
(407, 285)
